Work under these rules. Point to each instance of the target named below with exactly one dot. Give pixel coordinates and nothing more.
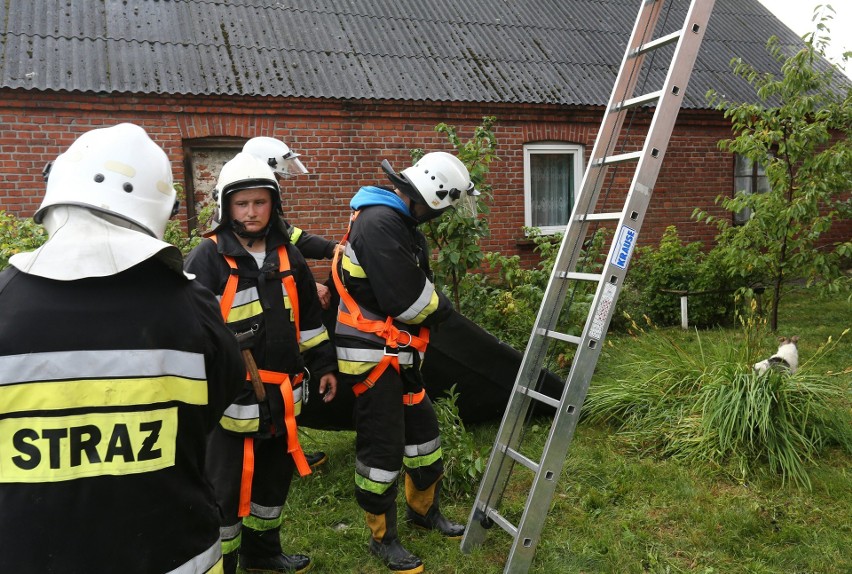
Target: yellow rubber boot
(384, 543)
(424, 510)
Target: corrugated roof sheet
(514, 51)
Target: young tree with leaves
(799, 130)
(457, 234)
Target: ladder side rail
(674, 87)
(519, 405)
(625, 84)
(497, 470)
(561, 433)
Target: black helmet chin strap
(240, 229)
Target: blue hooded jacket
(372, 195)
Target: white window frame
(559, 148)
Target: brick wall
(343, 143)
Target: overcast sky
(798, 14)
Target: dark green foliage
(18, 235)
(464, 461)
(657, 273)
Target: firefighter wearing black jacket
(388, 302)
(269, 300)
(114, 367)
(286, 164)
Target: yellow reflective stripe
(421, 461)
(353, 268)
(231, 544)
(253, 308)
(422, 308)
(244, 312)
(370, 485)
(312, 338)
(295, 235)
(102, 364)
(256, 520)
(239, 425)
(58, 448)
(56, 395)
(354, 367)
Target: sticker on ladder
(596, 330)
(626, 242)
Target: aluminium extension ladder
(626, 224)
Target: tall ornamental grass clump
(704, 404)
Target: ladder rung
(596, 277)
(658, 43)
(500, 521)
(613, 216)
(515, 455)
(620, 158)
(637, 101)
(539, 396)
(560, 336)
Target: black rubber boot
(385, 544)
(260, 551)
(423, 510)
(316, 459)
(289, 563)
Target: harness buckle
(391, 351)
(410, 339)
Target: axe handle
(254, 375)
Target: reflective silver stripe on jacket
(420, 304)
(372, 355)
(202, 563)
(111, 364)
(243, 412)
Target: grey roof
(513, 51)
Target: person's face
(252, 207)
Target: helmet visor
(291, 166)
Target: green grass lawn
(617, 510)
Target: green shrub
(675, 266)
(18, 235)
(707, 405)
(464, 464)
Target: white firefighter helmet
(278, 155)
(118, 171)
(105, 208)
(244, 171)
(439, 179)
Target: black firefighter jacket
(262, 307)
(385, 270)
(108, 389)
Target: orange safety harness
(395, 338)
(283, 380)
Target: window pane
(552, 182)
(742, 166)
(742, 185)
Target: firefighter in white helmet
(387, 304)
(286, 164)
(115, 366)
(268, 299)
